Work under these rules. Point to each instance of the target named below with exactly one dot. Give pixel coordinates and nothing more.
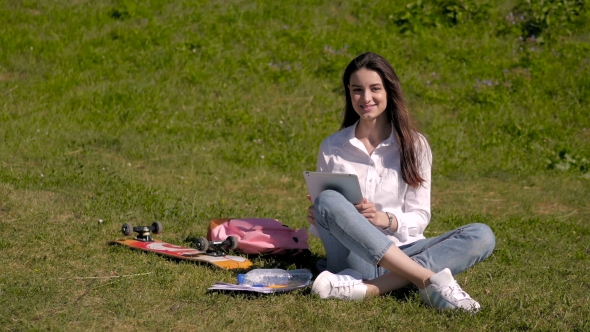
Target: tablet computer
(346, 184)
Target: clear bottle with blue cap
(275, 277)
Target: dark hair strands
(397, 112)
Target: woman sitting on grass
(381, 239)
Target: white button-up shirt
(381, 181)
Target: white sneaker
(339, 286)
(445, 293)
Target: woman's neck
(373, 131)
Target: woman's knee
(328, 198)
(484, 237)
(326, 204)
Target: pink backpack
(260, 236)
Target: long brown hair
(397, 112)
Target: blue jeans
(351, 241)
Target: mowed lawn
(184, 111)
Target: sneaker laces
(344, 286)
(455, 291)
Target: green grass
(184, 111)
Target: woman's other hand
(369, 211)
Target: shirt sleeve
(416, 208)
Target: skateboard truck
(143, 232)
(216, 248)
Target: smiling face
(367, 94)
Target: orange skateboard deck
(208, 252)
(227, 262)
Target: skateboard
(210, 252)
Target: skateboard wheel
(232, 242)
(157, 226)
(202, 244)
(127, 229)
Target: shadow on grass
(404, 294)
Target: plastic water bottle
(270, 277)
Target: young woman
(381, 239)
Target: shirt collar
(354, 141)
